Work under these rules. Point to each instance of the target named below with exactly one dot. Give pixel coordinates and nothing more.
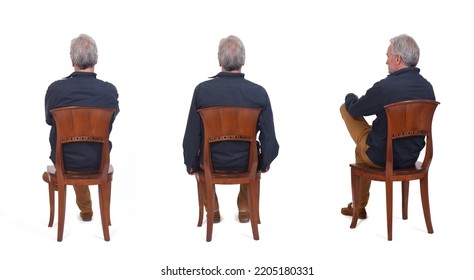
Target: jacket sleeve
(269, 144)
(192, 136)
(48, 105)
(366, 105)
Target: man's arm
(192, 138)
(48, 105)
(366, 105)
(267, 137)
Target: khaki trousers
(242, 201)
(83, 199)
(359, 129)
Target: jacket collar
(82, 75)
(229, 75)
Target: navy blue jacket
(229, 89)
(405, 84)
(79, 89)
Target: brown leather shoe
(244, 216)
(347, 211)
(86, 217)
(217, 217)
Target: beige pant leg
(83, 199)
(242, 199)
(359, 129)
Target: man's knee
(343, 107)
(343, 110)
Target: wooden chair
(81, 124)
(229, 124)
(404, 119)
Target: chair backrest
(410, 118)
(227, 123)
(82, 124)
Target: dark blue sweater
(79, 89)
(229, 89)
(405, 84)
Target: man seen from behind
(230, 88)
(81, 88)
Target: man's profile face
(392, 61)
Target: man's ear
(399, 59)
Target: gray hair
(406, 47)
(231, 53)
(84, 52)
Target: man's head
(402, 52)
(83, 52)
(231, 54)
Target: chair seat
(93, 175)
(231, 177)
(378, 174)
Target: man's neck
(89, 70)
(231, 71)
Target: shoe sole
(362, 217)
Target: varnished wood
(81, 124)
(229, 124)
(404, 119)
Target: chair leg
(201, 190)
(258, 201)
(426, 203)
(109, 199)
(61, 210)
(405, 190)
(210, 189)
(355, 199)
(107, 194)
(104, 209)
(101, 206)
(389, 201)
(51, 204)
(254, 211)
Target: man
(81, 88)
(230, 88)
(404, 82)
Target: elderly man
(81, 88)
(404, 82)
(230, 88)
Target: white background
(308, 55)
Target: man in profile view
(230, 88)
(81, 88)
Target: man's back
(405, 84)
(230, 89)
(79, 89)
